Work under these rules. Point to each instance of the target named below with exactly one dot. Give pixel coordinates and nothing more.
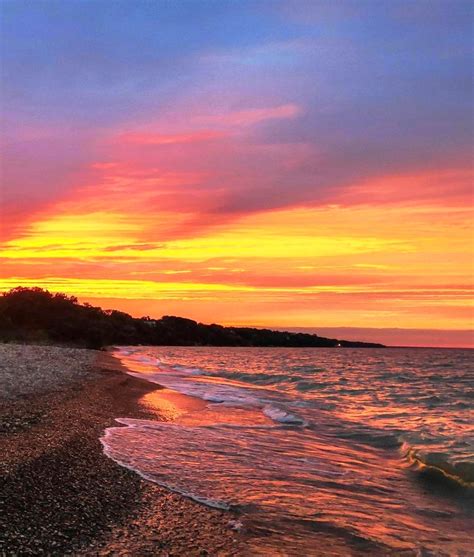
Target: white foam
(149, 477)
(192, 381)
(191, 384)
(282, 416)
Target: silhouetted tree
(36, 315)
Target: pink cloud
(253, 116)
(167, 139)
(445, 186)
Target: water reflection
(306, 442)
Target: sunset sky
(283, 164)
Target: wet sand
(62, 495)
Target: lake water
(372, 447)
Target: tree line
(39, 316)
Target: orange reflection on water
(216, 414)
(170, 405)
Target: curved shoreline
(64, 496)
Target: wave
(108, 451)
(462, 473)
(282, 416)
(193, 381)
(301, 383)
(189, 384)
(259, 378)
(332, 455)
(375, 438)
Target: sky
(278, 164)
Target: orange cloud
(334, 265)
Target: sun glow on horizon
(297, 175)
(345, 265)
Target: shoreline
(63, 495)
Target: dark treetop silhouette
(36, 315)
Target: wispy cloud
(167, 139)
(252, 116)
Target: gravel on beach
(27, 369)
(60, 494)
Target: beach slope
(61, 494)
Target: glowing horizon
(304, 174)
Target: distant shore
(36, 315)
(62, 494)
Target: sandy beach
(62, 494)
